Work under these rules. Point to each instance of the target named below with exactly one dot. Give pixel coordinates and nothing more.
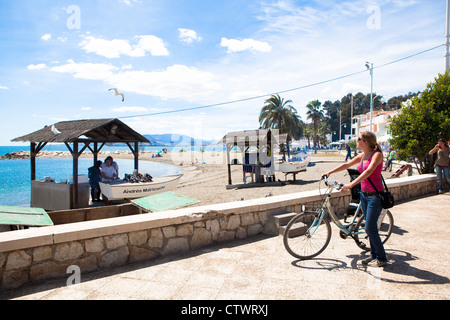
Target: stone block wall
(37, 254)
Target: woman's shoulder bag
(387, 199)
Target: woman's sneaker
(373, 262)
(377, 263)
(367, 260)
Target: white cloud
(86, 108)
(4, 88)
(46, 37)
(188, 36)
(128, 2)
(175, 82)
(39, 66)
(235, 45)
(90, 71)
(118, 47)
(152, 44)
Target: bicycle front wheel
(305, 236)
(385, 227)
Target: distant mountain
(172, 139)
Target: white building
(380, 121)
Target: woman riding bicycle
(370, 165)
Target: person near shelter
(370, 164)
(95, 176)
(442, 164)
(110, 170)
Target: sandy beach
(205, 175)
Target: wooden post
(34, 150)
(75, 175)
(33, 160)
(135, 152)
(229, 163)
(95, 152)
(136, 156)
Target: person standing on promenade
(442, 162)
(370, 166)
(349, 153)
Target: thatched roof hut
(96, 130)
(92, 134)
(263, 140)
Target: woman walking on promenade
(442, 161)
(370, 165)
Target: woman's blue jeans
(371, 207)
(442, 173)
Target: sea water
(61, 147)
(15, 175)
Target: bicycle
(308, 233)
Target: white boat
(119, 190)
(292, 166)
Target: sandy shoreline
(206, 177)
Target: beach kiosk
(78, 136)
(257, 149)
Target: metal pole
(447, 60)
(371, 96)
(351, 118)
(340, 125)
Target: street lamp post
(351, 118)
(370, 67)
(447, 59)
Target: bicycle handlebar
(331, 184)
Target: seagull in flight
(117, 93)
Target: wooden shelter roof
(101, 130)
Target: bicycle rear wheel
(385, 227)
(304, 237)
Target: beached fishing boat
(119, 190)
(298, 165)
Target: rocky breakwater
(16, 155)
(65, 154)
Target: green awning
(24, 216)
(163, 201)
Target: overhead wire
(282, 91)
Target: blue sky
(59, 58)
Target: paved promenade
(260, 268)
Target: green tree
(416, 129)
(280, 114)
(308, 132)
(315, 115)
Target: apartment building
(380, 121)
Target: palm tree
(315, 115)
(280, 114)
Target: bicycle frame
(307, 244)
(326, 207)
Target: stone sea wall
(37, 254)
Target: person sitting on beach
(109, 171)
(95, 176)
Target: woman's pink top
(375, 177)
